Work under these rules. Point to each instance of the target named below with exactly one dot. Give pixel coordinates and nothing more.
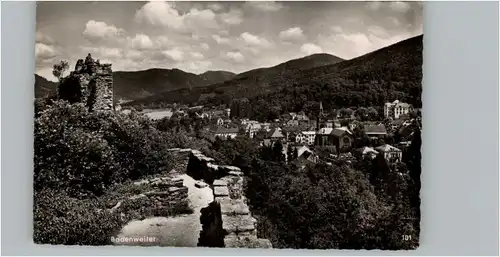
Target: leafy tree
(60, 69)
(289, 153)
(295, 154)
(372, 113)
(277, 152)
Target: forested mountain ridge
(43, 87)
(133, 85)
(245, 81)
(308, 62)
(393, 72)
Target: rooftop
(366, 150)
(223, 130)
(387, 148)
(375, 129)
(277, 134)
(340, 131)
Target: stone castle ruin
(90, 83)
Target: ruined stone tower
(90, 83)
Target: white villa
(395, 109)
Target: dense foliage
(367, 204)
(88, 151)
(329, 206)
(79, 157)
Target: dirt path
(180, 231)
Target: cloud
(197, 55)
(133, 55)
(198, 66)
(265, 6)
(378, 31)
(200, 18)
(374, 5)
(44, 52)
(351, 45)
(337, 29)
(254, 40)
(102, 53)
(220, 40)
(233, 17)
(235, 57)
(215, 6)
(97, 30)
(141, 42)
(159, 14)
(310, 48)
(163, 41)
(43, 38)
(291, 34)
(174, 55)
(399, 6)
(164, 14)
(205, 46)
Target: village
(346, 135)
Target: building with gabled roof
(277, 135)
(375, 131)
(391, 153)
(224, 133)
(395, 109)
(341, 138)
(368, 152)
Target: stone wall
(90, 83)
(227, 221)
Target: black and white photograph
(258, 124)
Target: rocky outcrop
(164, 194)
(227, 221)
(90, 83)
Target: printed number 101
(406, 237)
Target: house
(266, 126)
(224, 133)
(395, 109)
(391, 153)
(218, 113)
(341, 138)
(332, 124)
(291, 133)
(305, 137)
(252, 128)
(304, 154)
(368, 152)
(375, 131)
(404, 144)
(277, 135)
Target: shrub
(88, 151)
(71, 221)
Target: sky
(200, 36)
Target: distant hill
(243, 81)
(304, 63)
(139, 84)
(393, 72)
(44, 87)
(132, 85)
(212, 77)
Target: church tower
(321, 116)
